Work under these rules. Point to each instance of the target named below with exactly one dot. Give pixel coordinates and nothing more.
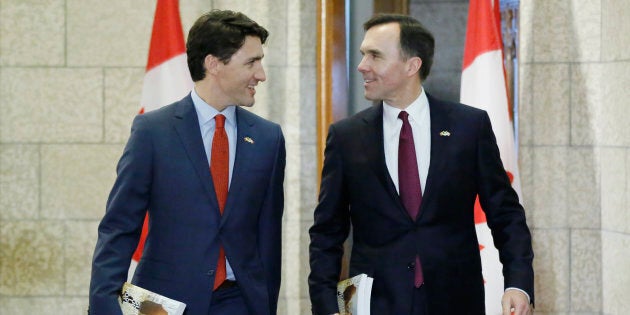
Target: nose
(260, 75)
(363, 67)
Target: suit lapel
(186, 124)
(373, 146)
(440, 122)
(245, 151)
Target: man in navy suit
(210, 174)
(405, 174)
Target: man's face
(237, 80)
(383, 68)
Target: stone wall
(71, 76)
(575, 152)
(70, 80)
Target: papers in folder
(353, 295)
(135, 300)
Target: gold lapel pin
(445, 133)
(248, 139)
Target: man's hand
(515, 302)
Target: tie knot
(403, 115)
(220, 121)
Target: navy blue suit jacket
(356, 190)
(164, 169)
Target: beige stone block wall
(615, 272)
(42, 105)
(121, 90)
(586, 275)
(19, 182)
(70, 83)
(32, 33)
(76, 179)
(70, 80)
(32, 258)
(567, 30)
(574, 152)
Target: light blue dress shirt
(206, 114)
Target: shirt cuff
(527, 295)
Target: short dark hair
(415, 39)
(219, 33)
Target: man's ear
(413, 66)
(212, 64)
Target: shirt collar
(415, 109)
(206, 113)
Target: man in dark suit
(405, 174)
(211, 176)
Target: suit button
(211, 272)
(411, 265)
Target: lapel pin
(445, 133)
(248, 139)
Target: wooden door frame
(332, 83)
(332, 76)
(391, 6)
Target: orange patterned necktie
(220, 171)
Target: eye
(373, 55)
(252, 62)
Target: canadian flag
(484, 86)
(167, 78)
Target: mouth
(252, 89)
(368, 81)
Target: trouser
(228, 301)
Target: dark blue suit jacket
(356, 189)
(164, 169)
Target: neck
(204, 89)
(408, 97)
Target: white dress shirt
(420, 122)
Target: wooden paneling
(332, 82)
(391, 6)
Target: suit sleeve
(505, 215)
(270, 225)
(120, 228)
(330, 229)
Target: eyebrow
(374, 52)
(254, 59)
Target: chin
(369, 97)
(245, 102)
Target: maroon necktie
(409, 181)
(220, 171)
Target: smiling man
(210, 174)
(405, 174)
